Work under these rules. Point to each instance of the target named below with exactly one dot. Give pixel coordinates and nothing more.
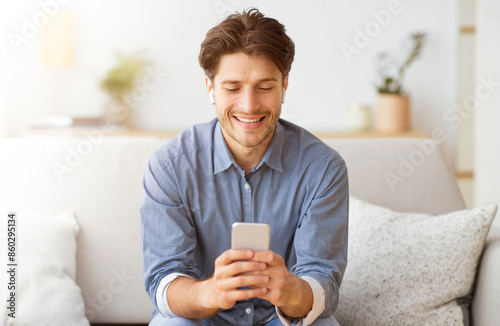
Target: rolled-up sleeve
(167, 231)
(321, 237)
(317, 307)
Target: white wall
(322, 82)
(487, 131)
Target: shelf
(370, 134)
(130, 132)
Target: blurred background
(56, 56)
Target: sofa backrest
(404, 174)
(101, 181)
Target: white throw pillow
(409, 268)
(46, 292)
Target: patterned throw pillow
(411, 268)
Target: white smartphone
(252, 236)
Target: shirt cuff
(318, 304)
(161, 294)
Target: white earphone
(211, 95)
(283, 97)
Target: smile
(249, 120)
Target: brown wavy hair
(251, 33)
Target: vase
(118, 112)
(393, 113)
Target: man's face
(248, 91)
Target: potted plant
(393, 107)
(119, 82)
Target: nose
(249, 101)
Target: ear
(208, 84)
(210, 90)
(285, 86)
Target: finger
(253, 281)
(241, 267)
(277, 276)
(275, 283)
(237, 268)
(238, 295)
(228, 256)
(276, 291)
(268, 257)
(253, 273)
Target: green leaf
(393, 82)
(122, 78)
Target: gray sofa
(102, 185)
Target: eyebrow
(232, 81)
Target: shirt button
(247, 186)
(248, 310)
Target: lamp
(57, 41)
(55, 54)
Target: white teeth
(248, 120)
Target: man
(248, 165)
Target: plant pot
(118, 112)
(393, 113)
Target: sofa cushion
(388, 172)
(43, 289)
(410, 268)
(101, 182)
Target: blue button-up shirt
(194, 191)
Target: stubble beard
(229, 129)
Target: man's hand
(263, 272)
(234, 269)
(202, 299)
(291, 294)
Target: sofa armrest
(486, 301)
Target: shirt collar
(223, 158)
(273, 155)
